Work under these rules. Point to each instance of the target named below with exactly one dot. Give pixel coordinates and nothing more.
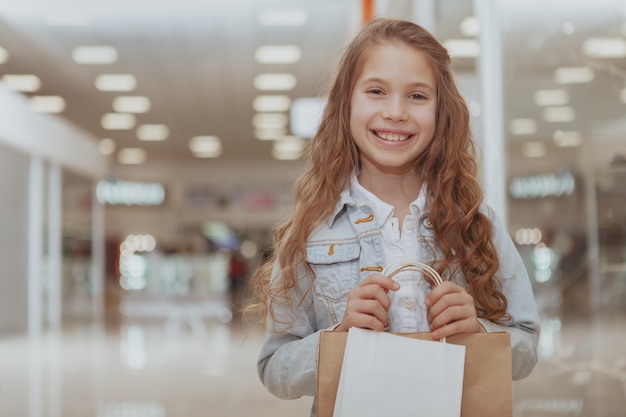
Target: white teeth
(393, 137)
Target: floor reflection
(141, 369)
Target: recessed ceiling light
(551, 97)
(605, 47)
(573, 75)
(116, 82)
(283, 17)
(567, 138)
(278, 54)
(106, 146)
(131, 104)
(206, 146)
(534, 149)
(4, 55)
(470, 26)
(306, 114)
(153, 132)
(94, 55)
(558, 114)
(288, 148)
(462, 48)
(275, 82)
(270, 120)
(26, 83)
(270, 133)
(47, 104)
(523, 126)
(131, 156)
(118, 121)
(271, 103)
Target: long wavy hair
(448, 166)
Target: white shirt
(407, 312)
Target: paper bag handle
(430, 274)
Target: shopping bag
(385, 374)
(487, 374)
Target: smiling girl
(392, 177)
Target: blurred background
(148, 147)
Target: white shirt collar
(382, 210)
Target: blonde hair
(447, 165)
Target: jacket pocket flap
(332, 253)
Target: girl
(391, 177)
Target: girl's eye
(418, 96)
(376, 91)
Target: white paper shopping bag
(388, 375)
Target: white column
(55, 249)
(35, 245)
(425, 14)
(493, 138)
(593, 251)
(97, 257)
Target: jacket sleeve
(515, 284)
(287, 363)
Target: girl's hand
(451, 311)
(368, 304)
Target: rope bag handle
(431, 276)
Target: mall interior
(149, 147)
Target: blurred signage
(128, 193)
(540, 186)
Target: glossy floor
(146, 369)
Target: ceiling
(195, 62)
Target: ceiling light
(131, 156)
(283, 17)
(568, 28)
(116, 82)
(131, 104)
(558, 114)
(26, 83)
(551, 97)
(523, 126)
(47, 104)
(605, 47)
(462, 48)
(275, 82)
(288, 148)
(270, 120)
(534, 149)
(470, 26)
(153, 132)
(94, 55)
(306, 114)
(271, 103)
(270, 133)
(573, 75)
(205, 146)
(4, 55)
(106, 146)
(118, 121)
(278, 54)
(567, 138)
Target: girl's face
(393, 107)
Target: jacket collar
(345, 199)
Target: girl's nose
(395, 109)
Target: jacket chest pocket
(336, 268)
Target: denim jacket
(343, 251)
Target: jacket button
(428, 223)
